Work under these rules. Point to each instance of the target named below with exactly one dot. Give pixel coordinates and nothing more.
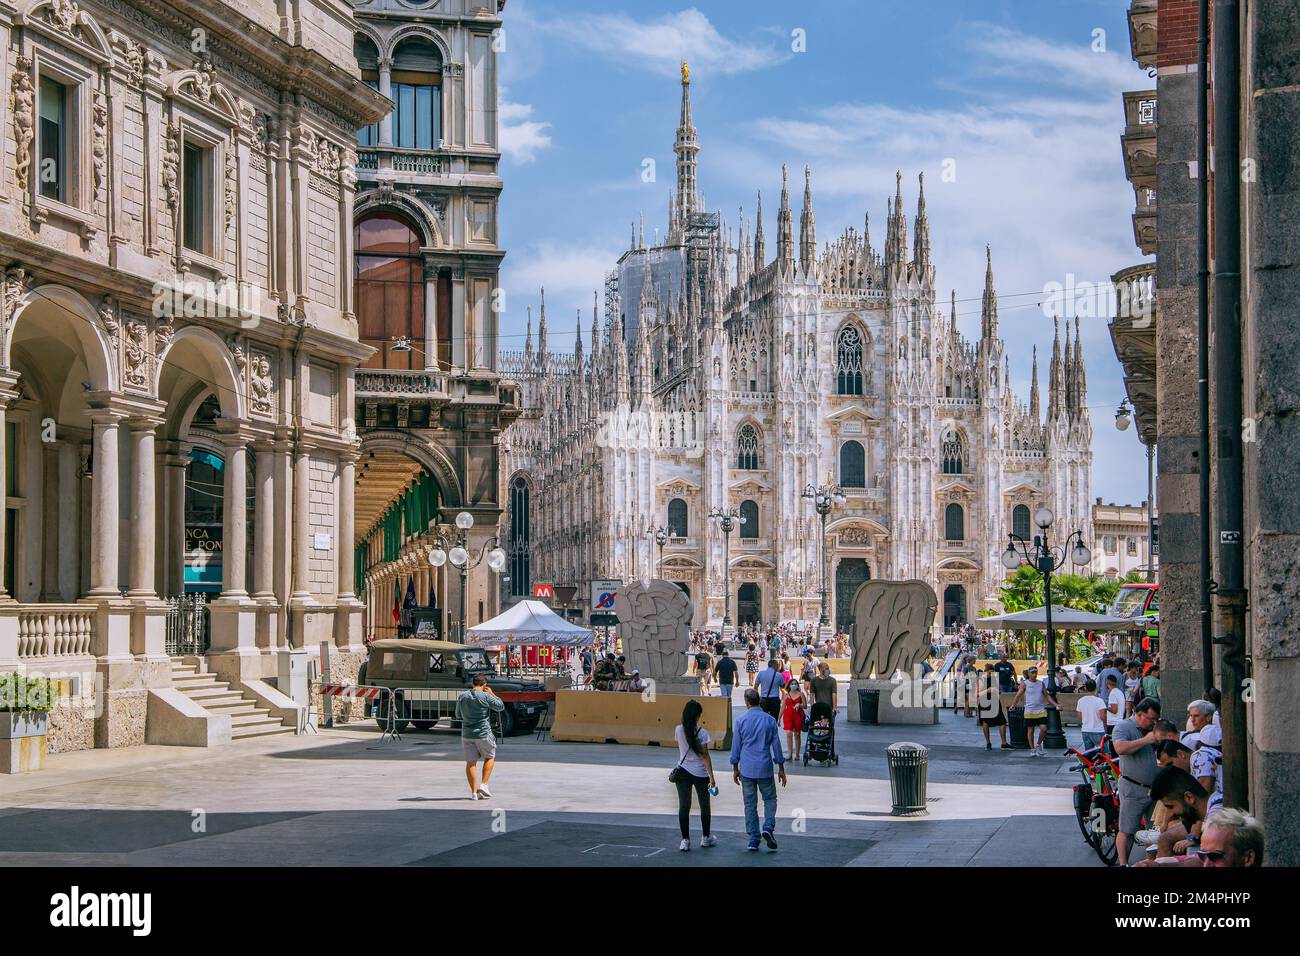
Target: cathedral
(719, 381)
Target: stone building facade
(176, 199)
(1120, 544)
(718, 378)
(430, 403)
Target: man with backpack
(725, 669)
(704, 669)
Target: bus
(1141, 600)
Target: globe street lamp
(824, 499)
(1046, 560)
(458, 554)
(661, 538)
(1123, 416)
(728, 519)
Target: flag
(433, 598)
(410, 593)
(397, 601)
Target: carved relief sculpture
(171, 160)
(108, 316)
(137, 355)
(891, 627)
(653, 626)
(260, 386)
(99, 145)
(232, 180)
(24, 108)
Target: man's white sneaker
(709, 841)
(484, 793)
(1147, 837)
(684, 846)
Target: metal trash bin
(868, 706)
(908, 763)
(1016, 728)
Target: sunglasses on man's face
(1209, 856)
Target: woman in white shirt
(1037, 699)
(694, 771)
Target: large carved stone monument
(653, 624)
(891, 633)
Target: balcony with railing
(402, 159)
(1133, 333)
(401, 383)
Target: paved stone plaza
(346, 795)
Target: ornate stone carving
(259, 384)
(891, 626)
(171, 160)
(855, 536)
(232, 181)
(137, 355)
(204, 80)
(163, 334)
(108, 316)
(653, 626)
(63, 15)
(238, 354)
(12, 292)
(99, 145)
(325, 158)
(24, 109)
(134, 59)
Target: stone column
(69, 511)
(50, 505)
(235, 519)
(430, 315)
(264, 523)
(386, 87)
(347, 558)
(104, 508)
(7, 393)
(140, 574)
(301, 527)
(176, 467)
(234, 655)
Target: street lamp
(1046, 561)
(661, 537)
(824, 499)
(1124, 415)
(728, 519)
(458, 554)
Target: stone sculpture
(653, 625)
(891, 627)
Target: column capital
(8, 386)
(235, 432)
(144, 423)
(119, 405)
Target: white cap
(1211, 736)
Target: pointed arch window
(853, 465)
(953, 452)
(954, 523)
(520, 583)
(748, 519)
(747, 447)
(848, 361)
(678, 518)
(1020, 522)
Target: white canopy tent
(1063, 618)
(529, 622)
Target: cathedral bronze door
(954, 605)
(850, 574)
(749, 605)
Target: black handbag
(676, 773)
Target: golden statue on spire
(686, 72)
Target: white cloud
(521, 136)
(660, 44)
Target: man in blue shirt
(755, 747)
(769, 684)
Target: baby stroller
(819, 742)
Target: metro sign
(544, 591)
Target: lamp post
(661, 538)
(824, 498)
(728, 520)
(1123, 416)
(458, 554)
(1046, 561)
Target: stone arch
(92, 36)
(72, 316)
(419, 215)
(220, 103)
(413, 31)
(201, 353)
(432, 458)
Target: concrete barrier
(595, 716)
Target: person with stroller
(793, 714)
(821, 735)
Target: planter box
(22, 741)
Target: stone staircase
(247, 719)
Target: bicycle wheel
(1105, 847)
(1083, 811)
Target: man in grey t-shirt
(473, 710)
(1135, 740)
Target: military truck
(440, 671)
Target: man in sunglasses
(1232, 837)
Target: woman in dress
(792, 718)
(751, 662)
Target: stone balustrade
(55, 630)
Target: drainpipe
(1203, 333)
(1230, 603)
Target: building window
(848, 362)
(952, 453)
(55, 111)
(1020, 522)
(853, 465)
(1131, 546)
(1110, 544)
(390, 292)
(748, 519)
(368, 60)
(747, 447)
(417, 93)
(196, 193)
(679, 522)
(954, 523)
(520, 583)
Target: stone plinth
(905, 701)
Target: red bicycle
(1096, 799)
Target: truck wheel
(424, 724)
(398, 727)
(508, 722)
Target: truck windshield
(474, 661)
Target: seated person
(605, 672)
(620, 666)
(819, 719)
(636, 683)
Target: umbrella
(530, 622)
(1065, 618)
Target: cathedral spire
(807, 226)
(760, 247)
(866, 241)
(1080, 377)
(989, 306)
(686, 148)
(577, 343)
(785, 227)
(922, 227)
(528, 338)
(952, 315)
(1055, 385)
(899, 226)
(1068, 377)
(1035, 410)
(595, 326)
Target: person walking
(990, 707)
(704, 668)
(725, 669)
(1037, 699)
(755, 748)
(825, 689)
(769, 687)
(694, 771)
(472, 710)
(751, 662)
(794, 713)
(1091, 708)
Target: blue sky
(1009, 96)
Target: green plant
(22, 694)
